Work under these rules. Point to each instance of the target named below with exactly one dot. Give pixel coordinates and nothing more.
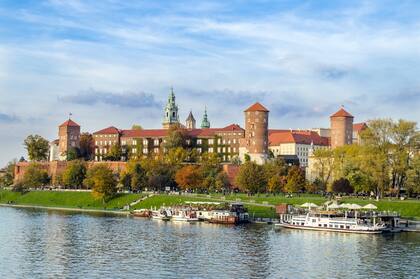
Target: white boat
(184, 215)
(326, 222)
(162, 214)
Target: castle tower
(255, 142)
(190, 122)
(68, 137)
(171, 112)
(341, 128)
(205, 123)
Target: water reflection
(45, 244)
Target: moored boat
(141, 213)
(328, 221)
(162, 214)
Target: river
(52, 244)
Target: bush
(342, 185)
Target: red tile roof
(107, 131)
(257, 107)
(206, 132)
(300, 137)
(358, 127)
(341, 113)
(70, 123)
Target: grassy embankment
(79, 200)
(84, 200)
(407, 208)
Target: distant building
(341, 128)
(358, 128)
(190, 122)
(205, 123)
(68, 137)
(296, 142)
(255, 142)
(171, 116)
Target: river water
(52, 244)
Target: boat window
(347, 227)
(319, 225)
(336, 226)
(325, 225)
(341, 227)
(331, 226)
(313, 220)
(302, 224)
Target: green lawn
(82, 200)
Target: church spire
(171, 111)
(205, 122)
(190, 122)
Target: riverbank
(261, 206)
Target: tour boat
(161, 214)
(325, 221)
(184, 215)
(141, 213)
(235, 215)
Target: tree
(138, 177)
(74, 174)
(37, 147)
(8, 178)
(275, 167)
(342, 185)
(136, 127)
(189, 177)
(276, 184)
(222, 181)
(114, 154)
(176, 137)
(413, 176)
(251, 177)
(35, 176)
(87, 146)
(176, 156)
(323, 165)
(102, 182)
(295, 180)
(73, 153)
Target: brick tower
(68, 137)
(341, 128)
(255, 142)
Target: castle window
(123, 142)
(145, 142)
(134, 150)
(199, 150)
(156, 150)
(135, 142)
(198, 141)
(211, 149)
(173, 114)
(156, 142)
(145, 150)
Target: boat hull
(298, 227)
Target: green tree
(323, 165)
(74, 174)
(136, 127)
(176, 137)
(251, 177)
(37, 148)
(342, 185)
(138, 177)
(102, 181)
(115, 153)
(413, 175)
(295, 180)
(73, 153)
(35, 176)
(222, 181)
(8, 178)
(176, 156)
(276, 184)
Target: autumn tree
(37, 148)
(251, 177)
(114, 153)
(189, 177)
(413, 175)
(8, 178)
(102, 181)
(295, 180)
(35, 176)
(323, 165)
(136, 127)
(87, 146)
(176, 137)
(276, 184)
(74, 174)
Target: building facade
(341, 128)
(68, 137)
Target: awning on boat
(370, 206)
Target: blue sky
(112, 62)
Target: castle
(256, 141)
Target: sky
(113, 62)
